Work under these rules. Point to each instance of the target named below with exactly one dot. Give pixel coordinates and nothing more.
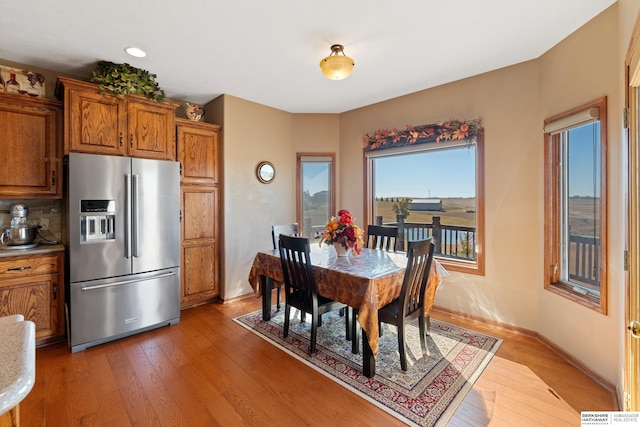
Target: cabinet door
(199, 274)
(199, 213)
(151, 130)
(34, 287)
(198, 152)
(199, 248)
(96, 123)
(30, 145)
(32, 298)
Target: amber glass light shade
(337, 67)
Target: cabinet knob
(131, 141)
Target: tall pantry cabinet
(198, 149)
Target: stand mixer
(19, 235)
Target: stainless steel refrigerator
(123, 247)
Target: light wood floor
(209, 371)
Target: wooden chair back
(299, 282)
(286, 229)
(412, 295)
(382, 237)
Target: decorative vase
(193, 111)
(12, 86)
(340, 250)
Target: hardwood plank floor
(209, 371)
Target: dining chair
(300, 286)
(276, 231)
(382, 237)
(411, 302)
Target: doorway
(632, 252)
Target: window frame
(300, 198)
(472, 267)
(553, 215)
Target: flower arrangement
(441, 131)
(343, 231)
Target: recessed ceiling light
(136, 51)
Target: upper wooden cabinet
(30, 143)
(123, 126)
(198, 151)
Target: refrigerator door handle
(127, 216)
(126, 282)
(135, 203)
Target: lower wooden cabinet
(199, 274)
(33, 285)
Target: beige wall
(252, 133)
(508, 291)
(513, 103)
(317, 133)
(584, 67)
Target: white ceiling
(269, 51)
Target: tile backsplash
(48, 210)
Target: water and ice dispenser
(97, 220)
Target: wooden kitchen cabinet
(198, 154)
(33, 285)
(200, 255)
(100, 123)
(31, 147)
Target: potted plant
(123, 79)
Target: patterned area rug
(426, 395)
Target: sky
(451, 173)
(316, 177)
(436, 174)
(581, 161)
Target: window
(316, 192)
(575, 205)
(437, 189)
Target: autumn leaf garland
(441, 131)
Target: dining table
(366, 282)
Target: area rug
(427, 394)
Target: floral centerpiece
(342, 231)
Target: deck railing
(459, 242)
(584, 254)
(451, 241)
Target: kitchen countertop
(41, 249)
(17, 360)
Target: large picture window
(432, 190)
(575, 204)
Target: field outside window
(575, 204)
(432, 191)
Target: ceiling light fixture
(136, 51)
(336, 67)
